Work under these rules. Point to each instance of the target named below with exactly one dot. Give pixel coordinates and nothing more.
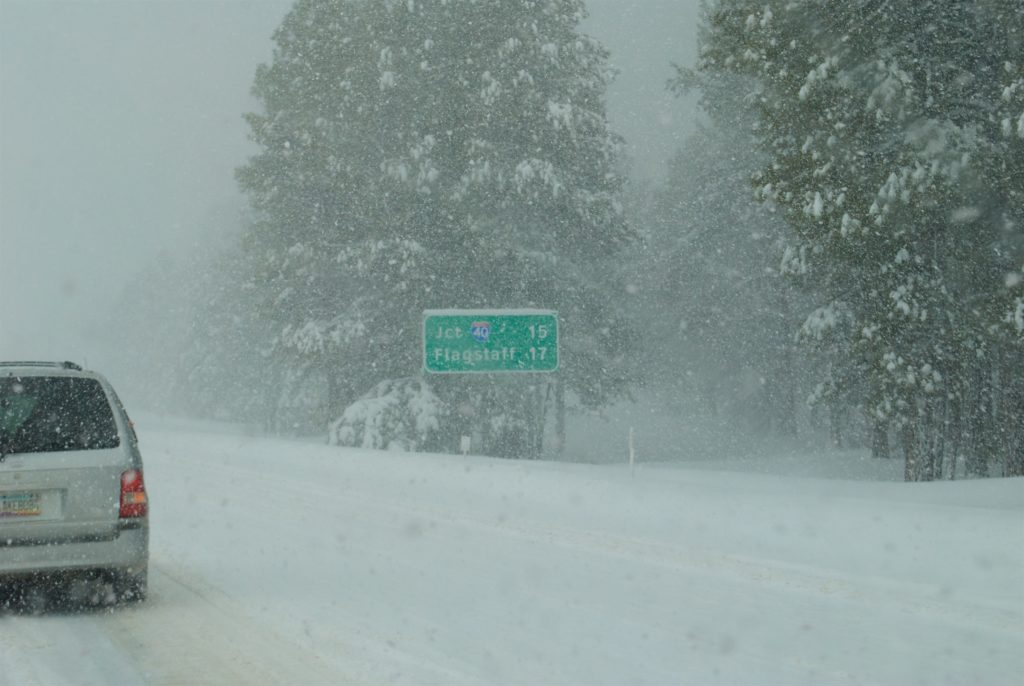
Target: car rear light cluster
(134, 502)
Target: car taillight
(133, 494)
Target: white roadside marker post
(632, 453)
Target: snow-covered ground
(277, 561)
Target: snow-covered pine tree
(886, 129)
(434, 154)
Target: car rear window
(54, 413)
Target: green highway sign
(466, 341)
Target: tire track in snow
(188, 632)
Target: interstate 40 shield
(475, 341)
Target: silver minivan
(73, 502)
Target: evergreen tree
(890, 134)
(434, 154)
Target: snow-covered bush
(397, 414)
(507, 435)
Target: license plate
(20, 505)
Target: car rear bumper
(127, 550)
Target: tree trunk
(956, 431)
(880, 438)
(786, 379)
(980, 421)
(787, 409)
(1015, 458)
(927, 424)
(835, 423)
(1014, 418)
(911, 469)
(335, 394)
(940, 431)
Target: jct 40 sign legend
(465, 341)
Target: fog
(713, 303)
(119, 131)
(121, 126)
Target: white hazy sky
(120, 129)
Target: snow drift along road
(279, 561)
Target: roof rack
(25, 363)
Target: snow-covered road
(278, 561)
